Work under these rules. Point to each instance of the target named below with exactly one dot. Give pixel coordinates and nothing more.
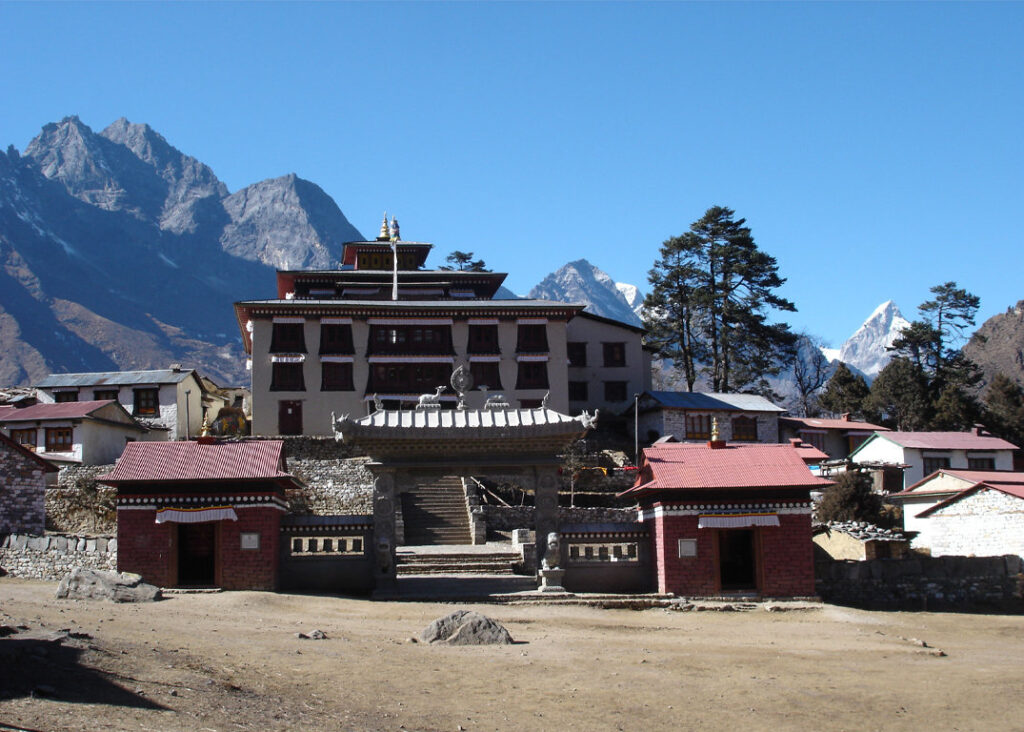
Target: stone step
(404, 558)
(475, 568)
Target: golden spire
(383, 235)
(714, 429)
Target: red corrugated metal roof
(178, 461)
(948, 441)
(833, 424)
(1013, 489)
(996, 478)
(698, 466)
(62, 410)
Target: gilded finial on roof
(204, 431)
(384, 228)
(714, 429)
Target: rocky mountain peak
(867, 349)
(998, 345)
(582, 282)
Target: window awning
(195, 515)
(736, 520)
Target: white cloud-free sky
(874, 148)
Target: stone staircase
(436, 513)
(455, 562)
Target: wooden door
(289, 418)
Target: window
(483, 339)
(102, 395)
(146, 403)
(931, 464)
(405, 339)
(615, 391)
(577, 391)
(532, 375)
(25, 438)
(614, 354)
(65, 396)
(698, 426)
(577, 353)
(533, 338)
(336, 339)
(973, 463)
(336, 377)
(485, 373)
(530, 403)
(744, 429)
(58, 439)
(288, 338)
(815, 439)
(287, 377)
(408, 378)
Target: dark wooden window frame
(744, 429)
(532, 375)
(486, 373)
(577, 352)
(532, 338)
(614, 354)
(336, 376)
(698, 426)
(59, 439)
(62, 397)
(288, 338)
(27, 437)
(287, 376)
(336, 340)
(146, 402)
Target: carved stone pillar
(545, 514)
(384, 540)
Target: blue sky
(874, 148)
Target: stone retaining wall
(336, 478)
(507, 518)
(50, 557)
(925, 583)
(80, 505)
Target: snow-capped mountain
(582, 282)
(866, 348)
(634, 298)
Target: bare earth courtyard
(232, 661)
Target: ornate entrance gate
(407, 446)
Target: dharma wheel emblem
(462, 381)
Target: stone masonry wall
(337, 480)
(924, 583)
(984, 523)
(52, 557)
(80, 505)
(22, 488)
(507, 518)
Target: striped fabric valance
(195, 515)
(288, 358)
(736, 520)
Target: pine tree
(1004, 409)
(464, 262)
(899, 397)
(711, 288)
(845, 392)
(850, 499)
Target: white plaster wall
(636, 373)
(103, 443)
(985, 523)
(76, 440)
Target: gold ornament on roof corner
(714, 429)
(204, 430)
(383, 235)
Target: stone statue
(431, 401)
(378, 405)
(553, 554)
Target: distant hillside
(118, 251)
(998, 345)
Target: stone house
(688, 416)
(836, 437)
(608, 364)
(966, 512)
(23, 480)
(74, 433)
(861, 541)
(728, 518)
(923, 453)
(173, 400)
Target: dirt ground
(232, 661)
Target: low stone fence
(508, 518)
(80, 505)
(50, 557)
(925, 583)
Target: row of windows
(145, 402)
(483, 339)
(942, 462)
(407, 378)
(58, 439)
(698, 427)
(613, 354)
(614, 391)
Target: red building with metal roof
(201, 513)
(728, 518)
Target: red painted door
(289, 418)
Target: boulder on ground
(466, 628)
(96, 584)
